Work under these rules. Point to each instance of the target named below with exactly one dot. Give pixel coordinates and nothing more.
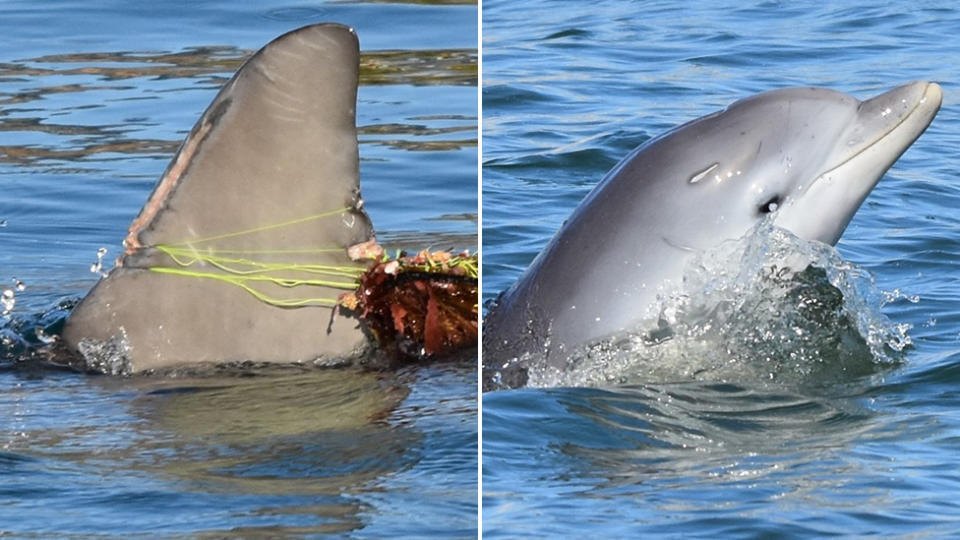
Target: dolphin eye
(770, 206)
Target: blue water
(569, 89)
(94, 100)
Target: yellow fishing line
(242, 271)
(241, 282)
(267, 227)
(185, 257)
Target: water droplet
(97, 267)
(3, 223)
(43, 336)
(7, 301)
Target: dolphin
(804, 157)
(239, 252)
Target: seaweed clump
(419, 306)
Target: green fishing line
(241, 270)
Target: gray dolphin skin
(270, 174)
(809, 156)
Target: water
(866, 450)
(94, 100)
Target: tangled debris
(417, 306)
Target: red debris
(419, 306)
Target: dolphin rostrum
(808, 156)
(238, 252)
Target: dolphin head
(808, 156)
(813, 159)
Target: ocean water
(834, 435)
(94, 100)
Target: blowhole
(770, 206)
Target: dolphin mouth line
(923, 99)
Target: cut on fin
(265, 192)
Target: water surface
(568, 90)
(94, 100)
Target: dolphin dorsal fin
(245, 234)
(278, 143)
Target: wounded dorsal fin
(268, 177)
(277, 143)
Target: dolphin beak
(880, 132)
(885, 126)
(914, 104)
(934, 94)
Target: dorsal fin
(269, 174)
(278, 142)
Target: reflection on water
(288, 453)
(699, 450)
(208, 67)
(425, 2)
(302, 443)
(455, 67)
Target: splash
(25, 337)
(8, 298)
(33, 340)
(766, 307)
(8, 301)
(110, 357)
(97, 267)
